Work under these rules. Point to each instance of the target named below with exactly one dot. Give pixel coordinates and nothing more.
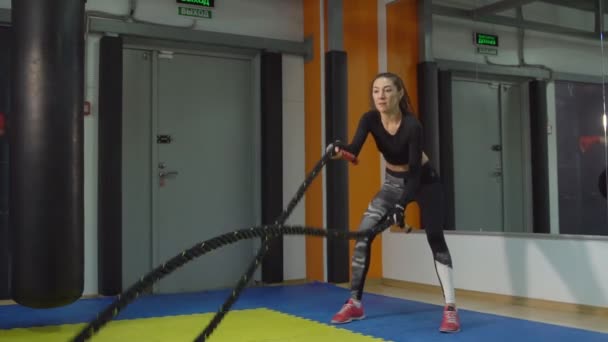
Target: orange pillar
(312, 103)
(402, 59)
(360, 18)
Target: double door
(189, 150)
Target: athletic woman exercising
(409, 177)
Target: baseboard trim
(7, 302)
(301, 281)
(283, 283)
(503, 299)
(88, 296)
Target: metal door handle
(168, 173)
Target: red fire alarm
(87, 108)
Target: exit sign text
(483, 39)
(194, 12)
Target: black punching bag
(46, 152)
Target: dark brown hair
(404, 104)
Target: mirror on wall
(522, 105)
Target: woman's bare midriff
(405, 167)
(397, 168)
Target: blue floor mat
(388, 318)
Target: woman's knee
(439, 247)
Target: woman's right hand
(585, 142)
(340, 153)
(337, 153)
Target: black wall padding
(336, 128)
(540, 168)
(272, 159)
(5, 51)
(109, 190)
(46, 152)
(428, 98)
(446, 148)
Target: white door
(516, 160)
(477, 158)
(490, 157)
(205, 151)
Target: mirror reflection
(521, 104)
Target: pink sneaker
(348, 313)
(451, 321)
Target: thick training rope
(265, 246)
(265, 232)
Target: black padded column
(272, 159)
(5, 50)
(109, 190)
(446, 148)
(428, 99)
(540, 164)
(336, 128)
(46, 152)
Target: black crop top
(405, 147)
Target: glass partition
(522, 111)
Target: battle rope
(266, 232)
(263, 249)
(329, 151)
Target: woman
(409, 177)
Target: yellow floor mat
(242, 325)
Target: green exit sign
(484, 39)
(202, 3)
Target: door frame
(153, 47)
(5, 259)
(445, 79)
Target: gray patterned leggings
(431, 202)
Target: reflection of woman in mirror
(585, 142)
(2, 121)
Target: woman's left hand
(397, 215)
